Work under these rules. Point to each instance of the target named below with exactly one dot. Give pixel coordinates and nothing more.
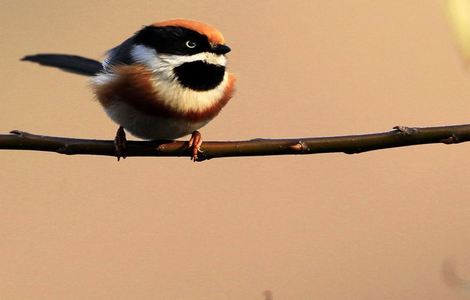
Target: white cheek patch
(207, 57)
(153, 60)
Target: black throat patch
(200, 76)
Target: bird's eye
(190, 44)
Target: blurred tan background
(377, 225)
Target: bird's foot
(195, 143)
(120, 143)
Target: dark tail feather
(69, 63)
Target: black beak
(220, 49)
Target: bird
(165, 81)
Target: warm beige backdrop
(371, 226)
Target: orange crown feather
(212, 33)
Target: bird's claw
(120, 143)
(195, 143)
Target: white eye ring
(190, 44)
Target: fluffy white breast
(150, 127)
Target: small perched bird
(166, 81)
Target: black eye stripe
(172, 40)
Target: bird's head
(186, 51)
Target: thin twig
(399, 137)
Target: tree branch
(399, 137)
